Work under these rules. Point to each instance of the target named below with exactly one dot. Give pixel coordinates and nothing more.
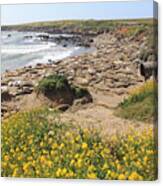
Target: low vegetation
(82, 25)
(141, 103)
(38, 144)
(52, 83)
(57, 83)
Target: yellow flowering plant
(52, 153)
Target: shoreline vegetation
(90, 116)
(81, 24)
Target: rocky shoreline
(112, 68)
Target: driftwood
(148, 69)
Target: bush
(52, 83)
(141, 103)
(56, 82)
(38, 144)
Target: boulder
(24, 90)
(148, 69)
(91, 71)
(28, 37)
(82, 101)
(43, 37)
(4, 109)
(27, 84)
(5, 95)
(120, 91)
(82, 81)
(63, 107)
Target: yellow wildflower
(84, 146)
(42, 159)
(41, 144)
(72, 162)
(58, 172)
(121, 177)
(49, 163)
(26, 166)
(6, 158)
(91, 176)
(54, 146)
(135, 176)
(79, 163)
(62, 145)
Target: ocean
(19, 49)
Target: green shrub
(141, 104)
(52, 83)
(55, 83)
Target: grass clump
(38, 144)
(141, 104)
(52, 83)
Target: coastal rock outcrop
(112, 68)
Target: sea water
(18, 51)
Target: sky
(24, 13)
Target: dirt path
(100, 115)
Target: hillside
(78, 26)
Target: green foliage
(135, 98)
(96, 25)
(136, 30)
(52, 83)
(142, 110)
(55, 82)
(140, 105)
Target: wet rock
(43, 37)
(50, 61)
(28, 37)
